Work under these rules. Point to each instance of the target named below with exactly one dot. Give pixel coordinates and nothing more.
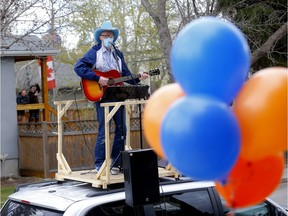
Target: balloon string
(232, 212)
(231, 201)
(232, 198)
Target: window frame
(9, 202)
(213, 197)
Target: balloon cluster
(191, 123)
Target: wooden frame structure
(103, 178)
(45, 105)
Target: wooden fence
(38, 145)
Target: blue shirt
(109, 61)
(84, 66)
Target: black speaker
(141, 177)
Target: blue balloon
(200, 137)
(211, 56)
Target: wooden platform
(103, 177)
(89, 176)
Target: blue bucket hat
(106, 26)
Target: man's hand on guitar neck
(103, 81)
(143, 75)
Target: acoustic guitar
(93, 91)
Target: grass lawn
(8, 185)
(5, 192)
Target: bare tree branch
(266, 47)
(20, 18)
(147, 5)
(195, 8)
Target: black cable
(165, 206)
(122, 137)
(116, 56)
(140, 118)
(85, 141)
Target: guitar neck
(126, 78)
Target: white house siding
(9, 143)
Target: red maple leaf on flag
(50, 72)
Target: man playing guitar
(105, 57)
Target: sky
(37, 15)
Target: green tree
(263, 22)
(265, 25)
(138, 39)
(148, 28)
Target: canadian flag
(50, 72)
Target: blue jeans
(119, 136)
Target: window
(193, 203)
(261, 209)
(16, 209)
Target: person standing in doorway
(22, 98)
(33, 99)
(104, 57)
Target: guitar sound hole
(111, 82)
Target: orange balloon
(261, 110)
(251, 182)
(154, 112)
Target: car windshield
(14, 208)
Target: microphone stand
(116, 56)
(139, 105)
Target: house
(15, 49)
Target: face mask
(107, 42)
